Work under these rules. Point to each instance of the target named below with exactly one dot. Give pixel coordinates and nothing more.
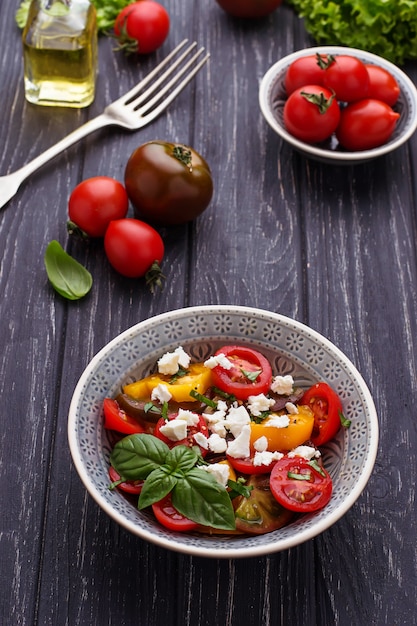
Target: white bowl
(272, 98)
(291, 347)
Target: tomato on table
(168, 516)
(94, 203)
(142, 27)
(311, 113)
(117, 419)
(382, 85)
(348, 77)
(250, 374)
(133, 487)
(327, 409)
(189, 441)
(249, 8)
(299, 485)
(261, 512)
(366, 124)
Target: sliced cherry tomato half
(134, 487)
(200, 427)
(246, 466)
(169, 517)
(250, 374)
(300, 485)
(327, 407)
(260, 513)
(117, 419)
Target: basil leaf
(181, 459)
(136, 456)
(202, 499)
(158, 484)
(68, 277)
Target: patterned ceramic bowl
(272, 98)
(292, 348)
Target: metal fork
(135, 109)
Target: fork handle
(10, 183)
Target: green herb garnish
(68, 277)
(203, 399)
(344, 421)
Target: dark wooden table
(333, 247)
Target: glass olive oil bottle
(60, 53)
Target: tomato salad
(224, 445)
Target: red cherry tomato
(308, 70)
(134, 487)
(366, 124)
(189, 440)
(249, 8)
(246, 466)
(142, 27)
(94, 203)
(299, 485)
(117, 419)
(382, 85)
(327, 407)
(133, 248)
(169, 517)
(250, 375)
(348, 77)
(311, 113)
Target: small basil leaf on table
(136, 456)
(68, 277)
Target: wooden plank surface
(334, 247)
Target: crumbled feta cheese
(222, 406)
(283, 385)
(259, 404)
(170, 362)
(216, 422)
(218, 359)
(261, 444)
(190, 418)
(291, 408)
(239, 448)
(161, 393)
(236, 419)
(218, 428)
(174, 430)
(277, 421)
(201, 440)
(266, 458)
(220, 471)
(217, 443)
(306, 452)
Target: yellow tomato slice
(198, 378)
(282, 439)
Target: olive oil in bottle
(60, 53)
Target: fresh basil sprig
(195, 493)
(68, 277)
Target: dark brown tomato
(249, 8)
(168, 183)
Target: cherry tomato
(168, 183)
(94, 203)
(382, 85)
(142, 27)
(134, 487)
(169, 517)
(117, 419)
(308, 70)
(249, 8)
(189, 440)
(246, 466)
(348, 77)
(311, 113)
(260, 513)
(366, 124)
(134, 249)
(327, 407)
(250, 375)
(299, 485)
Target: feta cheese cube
(306, 452)
(236, 419)
(261, 444)
(239, 448)
(277, 421)
(220, 471)
(190, 418)
(283, 385)
(217, 444)
(266, 458)
(201, 440)
(174, 430)
(170, 362)
(218, 359)
(291, 408)
(259, 404)
(161, 393)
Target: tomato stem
(154, 277)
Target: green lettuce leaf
(385, 27)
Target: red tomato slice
(250, 375)
(326, 406)
(116, 419)
(134, 487)
(246, 466)
(189, 440)
(298, 486)
(169, 517)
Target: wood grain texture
(334, 247)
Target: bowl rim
(313, 150)
(202, 551)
